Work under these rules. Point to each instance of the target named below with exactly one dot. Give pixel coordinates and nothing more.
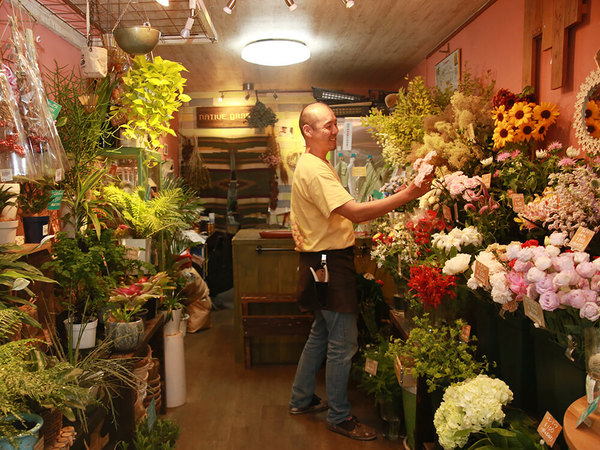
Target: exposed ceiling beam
(54, 23)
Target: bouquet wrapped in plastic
(46, 147)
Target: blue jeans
(333, 335)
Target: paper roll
(174, 370)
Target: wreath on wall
(261, 116)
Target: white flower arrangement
(497, 278)
(457, 238)
(457, 265)
(469, 407)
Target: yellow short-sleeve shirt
(316, 192)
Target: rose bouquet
(473, 411)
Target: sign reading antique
(222, 116)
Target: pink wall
(494, 41)
(50, 46)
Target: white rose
(558, 238)
(512, 251)
(525, 254)
(552, 251)
(543, 262)
(458, 264)
(580, 257)
(534, 275)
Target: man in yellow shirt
(322, 217)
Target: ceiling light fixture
(247, 87)
(229, 7)
(275, 52)
(348, 3)
(163, 2)
(187, 29)
(291, 5)
(222, 96)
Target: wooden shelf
(584, 437)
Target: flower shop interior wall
(494, 41)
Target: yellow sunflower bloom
(520, 113)
(593, 127)
(503, 133)
(539, 133)
(524, 132)
(499, 114)
(592, 111)
(545, 113)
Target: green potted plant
(152, 92)
(8, 212)
(382, 385)
(172, 307)
(124, 325)
(30, 382)
(33, 199)
(163, 435)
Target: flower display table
(583, 437)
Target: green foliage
(163, 436)
(372, 309)
(144, 217)
(153, 91)
(519, 432)
(30, 380)
(404, 125)
(87, 268)
(261, 116)
(384, 385)
(7, 197)
(34, 196)
(438, 353)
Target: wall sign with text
(222, 116)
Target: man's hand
(414, 191)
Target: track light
(275, 96)
(348, 3)
(185, 33)
(222, 96)
(247, 97)
(229, 7)
(291, 5)
(163, 2)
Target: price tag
(465, 333)
(151, 414)
(549, 429)
(54, 109)
(518, 201)
(55, 200)
(6, 175)
(487, 180)
(447, 213)
(59, 174)
(371, 366)
(360, 171)
(481, 273)
(534, 311)
(132, 253)
(509, 192)
(45, 230)
(581, 239)
(588, 411)
(347, 136)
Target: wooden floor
(229, 407)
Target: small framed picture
(447, 71)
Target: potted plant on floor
(8, 212)
(124, 325)
(33, 199)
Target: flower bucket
(35, 228)
(83, 334)
(126, 336)
(172, 325)
(29, 437)
(8, 231)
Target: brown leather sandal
(353, 429)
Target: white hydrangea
(469, 407)
(489, 260)
(457, 265)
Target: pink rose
(581, 257)
(576, 298)
(590, 311)
(545, 284)
(549, 301)
(534, 275)
(562, 279)
(595, 282)
(539, 252)
(552, 251)
(521, 266)
(597, 264)
(516, 283)
(531, 292)
(583, 284)
(575, 278)
(586, 269)
(590, 296)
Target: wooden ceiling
(370, 46)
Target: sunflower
(503, 133)
(499, 114)
(524, 132)
(545, 113)
(593, 127)
(592, 111)
(520, 113)
(539, 133)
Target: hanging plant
(261, 116)
(152, 92)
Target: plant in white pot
(8, 212)
(125, 325)
(173, 310)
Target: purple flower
(549, 301)
(590, 311)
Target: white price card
(481, 273)
(581, 239)
(371, 366)
(347, 136)
(6, 175)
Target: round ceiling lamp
(275, 52)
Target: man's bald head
(310, 115)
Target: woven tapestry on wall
(223, 156)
